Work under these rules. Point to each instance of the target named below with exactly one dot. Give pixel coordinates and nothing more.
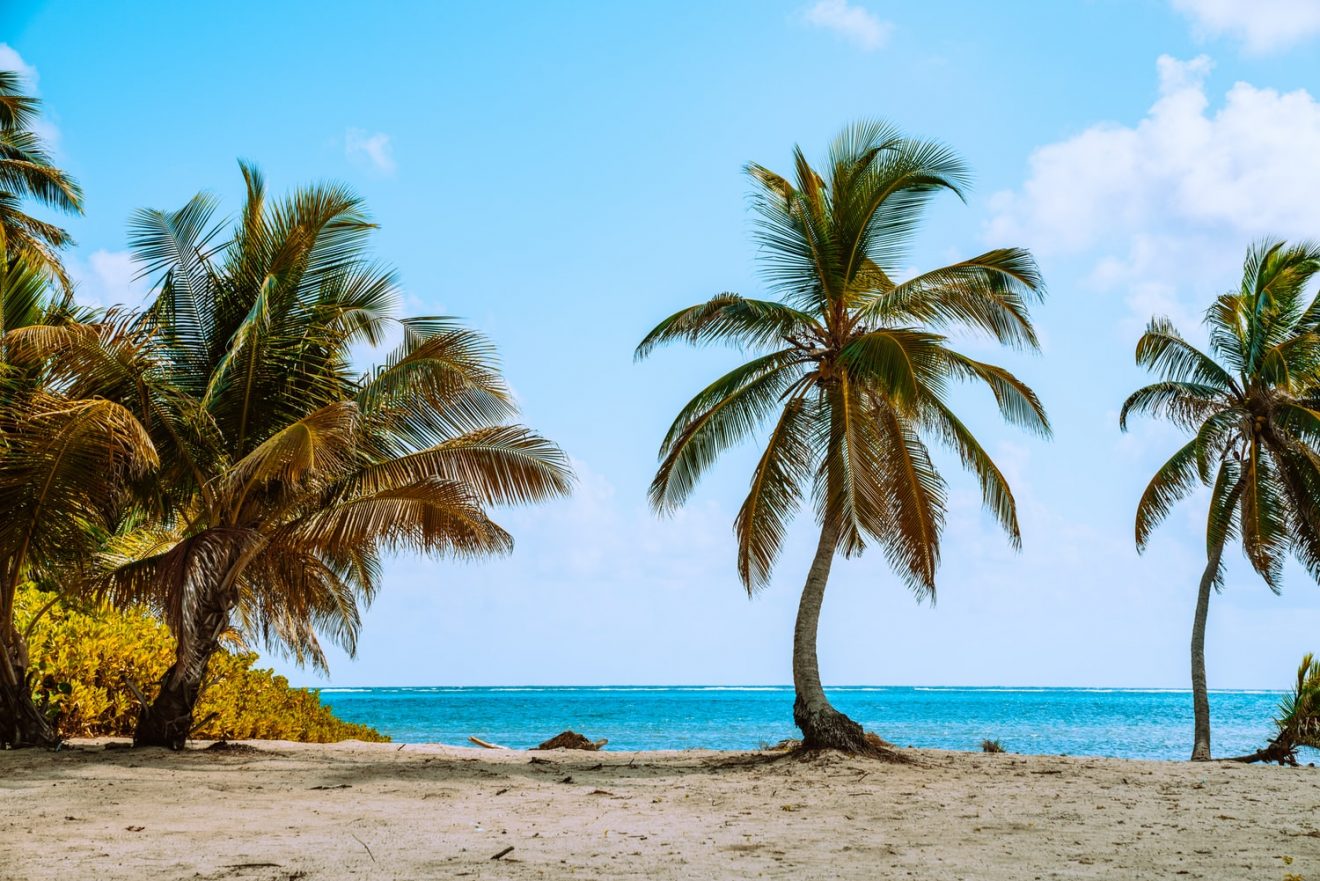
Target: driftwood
(572, 740)
(485, 744)
(1278, 751)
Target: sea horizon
(1140, 723)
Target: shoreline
(276, 811)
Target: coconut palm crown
(851, 370)
(66, 464)
(1252, 406)
(27, 172)
(288, 473)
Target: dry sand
(378, 811)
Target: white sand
(375, 811)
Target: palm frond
(995, 491)
(1263, 518)
(722, 415)
(1172, 482)
(751, 324)
(500, 465)
(1186, 404)
(898, 363)
(776, 492)
(65, 467)
(1018, 404)
(1163, 350)
(988, 293)
(916, 501)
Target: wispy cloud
(855, 23)
(108, 278)
(371, 149)
(47, 130)
(1262, 26)
(11, 60)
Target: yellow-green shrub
(82, 658)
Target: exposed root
(877, 748)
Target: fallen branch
(484, 744)
(1282, 753)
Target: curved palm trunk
(21, 723)
(1200, 694)
(168, 721)
(823, 727)
(1276, 751)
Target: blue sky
(563, 175)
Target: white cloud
(370, 149)
(11, 60)
(42, 126)
(852, 22)
(1169, 205)
(1260, 25)
(108, 278)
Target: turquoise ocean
(1125, 723)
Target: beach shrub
(86, 659)
(991, 746)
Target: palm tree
(65, 462)
(1253, 407)
(853, 368)
(27, 172)
(1298, 722)
(288, 473)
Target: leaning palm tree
(66, 463)
(288, 474)
(1298, 722)
(27, 172)
(1252, 405)
(852, 367)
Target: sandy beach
(282, 811)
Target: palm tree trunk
(1276, 751)
(1200, 694)
(168, 721)
(21, 723)
(823, 727)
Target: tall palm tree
(1253, 406)
(287, 472)
(65, 466)
(852, 367)
(27, 172)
